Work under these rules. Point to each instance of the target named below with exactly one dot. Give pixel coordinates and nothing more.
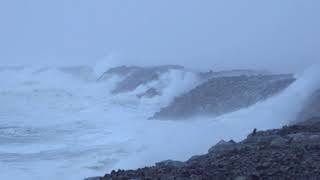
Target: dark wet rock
(279, 142)
(240, 178)
(222, 95)
(314, 138)
(262, 139)
(233, 73)
(134, 76)
(222, 146)
(194, 157)
(297, 137)
(272, 154)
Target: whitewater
(60, 125)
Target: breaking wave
(62, 124)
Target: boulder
(222, 146)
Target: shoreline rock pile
(223, 95)
(292, 152)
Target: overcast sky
(224, 34)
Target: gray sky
(224, 34)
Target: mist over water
(63, 123)
(71, 126)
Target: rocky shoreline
(292, 152)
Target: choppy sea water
(55, 125)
